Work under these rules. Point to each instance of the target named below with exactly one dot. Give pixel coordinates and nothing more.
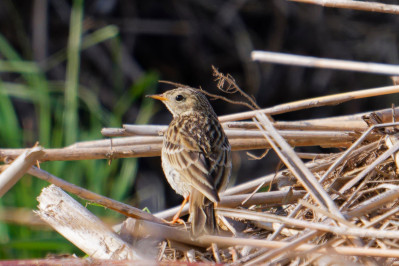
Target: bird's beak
(158, 97)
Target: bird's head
(186, 100)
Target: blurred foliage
(69, 68)
(26, 87)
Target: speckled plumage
(196, 156)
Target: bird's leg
(176, 218)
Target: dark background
(177, 41)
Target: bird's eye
(179, 98)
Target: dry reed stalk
(10, 176)
(114, 142)
(310, 61)
(374, 203)
(109, 153)
(313, 102)
(121, 148)
(356, 5)
(339, 123)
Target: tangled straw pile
(337, 207)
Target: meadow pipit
(196, 156)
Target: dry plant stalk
(309, 61)
(18, 168)
(313, 102)
(134, 147)
(356, 5)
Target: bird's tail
(202, 215)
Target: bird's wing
(193, 167)
(199, 150)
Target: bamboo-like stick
(336, 123)
(146, 130)
(322, 124)
(67, 154)
(244, 140)
(114, 142)
(326, 124)
(18, 168)
(167, 232)
(310, 61)
(313, 102)
(81, 227)
(356, 5)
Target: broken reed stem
(356, 5)
(81, 227)
(310, 61)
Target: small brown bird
(196, 156)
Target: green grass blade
(72, 75)
(18, 66)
